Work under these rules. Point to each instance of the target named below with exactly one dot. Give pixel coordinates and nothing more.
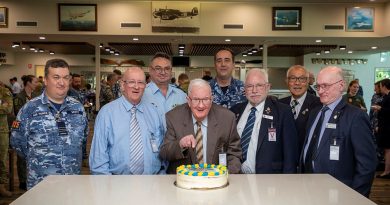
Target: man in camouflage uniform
(51, 129)
(5, 108)
(226, 90)
(106, 94)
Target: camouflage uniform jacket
(21, 99)
(5, 108)
(235, 93)
(50, 139)
(106, 95)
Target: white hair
(259, 70)
(197, 82)
(297, 67)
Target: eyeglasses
(133, 83)
(325, 86)
(160, 70)
(295, 79)
(257, 86)
(196, 101)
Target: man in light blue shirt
(159, 91)
(113, 150)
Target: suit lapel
(212, 136)
(265, 122)
(189, 128)
(304, 109)
(334, 118)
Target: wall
(256, 18)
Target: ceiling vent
(233, 26)
(334, 27)
(26, 23)
(130, 25)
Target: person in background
(384, 125)
(352, 97)
(269, 138)
(360, 91)
(160, 91)
(116, 88)
(310, 88)
(16, 88)
(51, 129)
(339, 140)
(197, 132)
(5, 109)
(40, 85)
(75, 89)
(207, 76)
(147, 76)
(128, 132)
(226, 90)
(30, 83)
(106, 94)
(300, 101)
(183, 81)
(376, 100)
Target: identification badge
(222, 159)
(154, 144)
(270, 117)
(331, 125)
(61, 128)
(271, 134)
(334, 152)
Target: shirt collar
(259, 107)
(128, 105)
(204, 122)
(333, 105)
(45, 99)
(300, 99)
(153, 86)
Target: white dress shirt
(249, 166)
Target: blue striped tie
(136, 152)
(247, 133)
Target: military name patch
(74, 112)
(15, 124)
(40, 113)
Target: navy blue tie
(311, 150)
(247, 133)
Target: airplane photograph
(77, 17)
(171, 14)
(173, 17)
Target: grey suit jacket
(221, 134)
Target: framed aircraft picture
(3, 17)
(286, 18)
(171, 16)
(77, 17)
(359, 19)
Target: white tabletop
(315, 189)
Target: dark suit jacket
(357, 156)
(280, 156)
(221, 135)
(308, 105)
(310, 90)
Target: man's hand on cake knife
(187, 141)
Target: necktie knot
(324, 109)
(253, 109)
(199, 124)
(133, 109)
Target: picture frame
(3, 17)
(286, 18)
(359, 19)
(77, 17)
(176, 16)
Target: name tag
(331, 125)
(268, 117)
(61, 128)
(154, 144)
(334, 152)
(222, 159)
(272, 134)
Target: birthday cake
(201, 176)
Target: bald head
(133, 84)
(330, 84)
